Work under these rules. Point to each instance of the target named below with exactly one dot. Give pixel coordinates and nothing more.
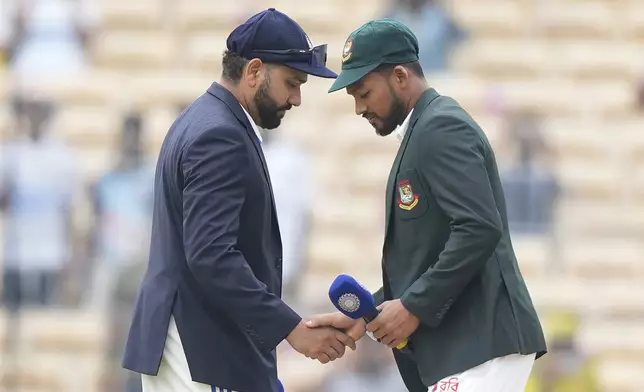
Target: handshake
(325, 337)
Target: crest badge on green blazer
(407, 198)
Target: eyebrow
(354, 87)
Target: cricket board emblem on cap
(349, 302)
(346, 52)
(407, 198)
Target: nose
(360, 108)
(295, 99)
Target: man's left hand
(394, 323)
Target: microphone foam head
(351, 298)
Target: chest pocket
(410, 198)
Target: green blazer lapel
(428, 96)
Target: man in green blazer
(451, 282)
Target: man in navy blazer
(209, 314)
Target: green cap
(382, 41)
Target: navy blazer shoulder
(215, 259)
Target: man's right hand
(355, 329)
(324, 344)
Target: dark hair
(413, 67)
(233, 66)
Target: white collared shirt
(401, 130)
(174, 372)
(252, 124)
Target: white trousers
(174, 373)
(505, 374)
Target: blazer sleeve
(379, 296)
(454, 166)
(214, 168)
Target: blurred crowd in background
(73, 243)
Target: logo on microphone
(349, 302)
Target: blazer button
(439, 316)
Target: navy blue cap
(274, 37)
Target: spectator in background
(291, 175)
(372, 369)
(36, 192)
(124, 297)
(640, 95)
(6, 31)
(566, 368)
(51, 32)
(436, 30)
(122, 201)
(530, 186)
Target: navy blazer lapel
(221, 93)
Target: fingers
(323, 358)
(337, 349)
(386, 338)
(333, 346)
(391, 340)
(381, 333)
(336, 320)
(357, 331)
(382, 305)
(374, 325)
(345, 340)
(324, 353)
(329, 353)
(320, 320)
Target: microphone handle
(369, 318)
(372, 316)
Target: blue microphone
(355, 301)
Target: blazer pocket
(410, 200)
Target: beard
(394, 118)
(267, 109)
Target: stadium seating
(54, 351)
(135, 50)
(138, 15)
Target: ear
(253, 72)
(400, 75)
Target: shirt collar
(402, 128)
(252, 124)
